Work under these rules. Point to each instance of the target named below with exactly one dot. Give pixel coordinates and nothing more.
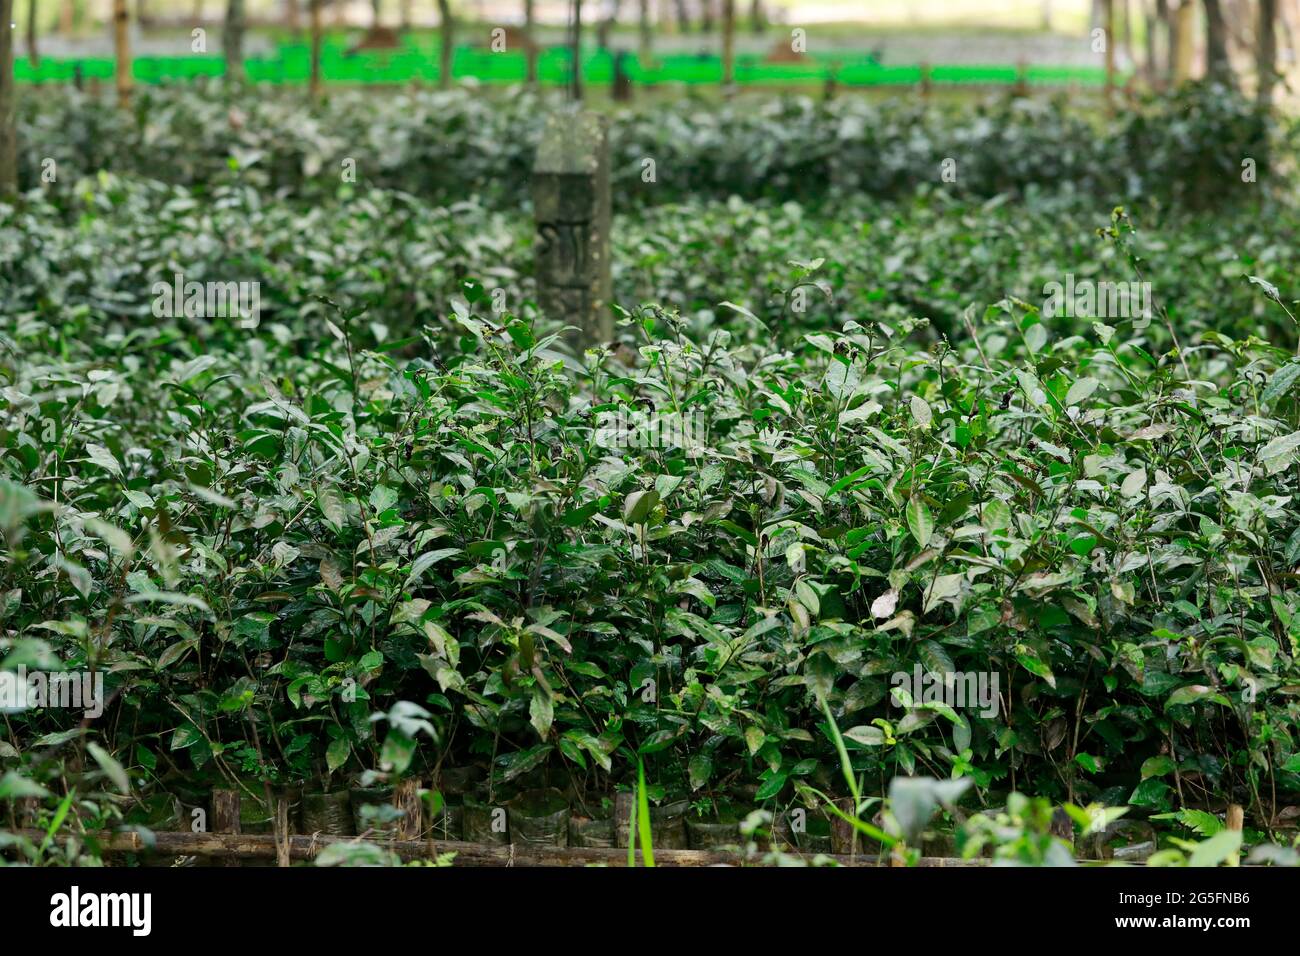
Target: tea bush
(451, 145)
(389, 528)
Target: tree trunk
(530, 51)
(1266, 51)
(1108, 25)
(728, 45)
(122, 52)
(8, 108)
(1126, 27)
(683, 16)
(317, 41)
(1149, 50)
(375, 14)
(1284, 17)
(706, 16)
(232, 41)
(1047, 16)
(1217, 66)
(645, 36)
(606, 25)
(33, 57)
(447, 32)
(1165, 18)
(575, 50)
(67, 16)
(291, 15)
(757, 17)
(1183, 42)
(406, 15)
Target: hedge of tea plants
(447, 146)
(386, 534)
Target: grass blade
(643, 816)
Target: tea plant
(392, 534)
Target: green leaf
(643, 816)
(773, 785)
(541, 711)
(14, 786)
(819, 672)
(1030, 662)
(639, 505)
(921, 411)
(945, 587)
(1281, 382)
(1220, 848)
(1088, 762)
(1280, 453)
(1206, 824)
(336, 754)
(914, 800)
(102, 457)
(1193, 693)
(700, 769)
(919, 521)
(145, 757)
(110, 767)
(331, 507)
(866, 736)
(428, 560)
(1080, 391)
(1158, 766)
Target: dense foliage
(448, 146)
(387, 529)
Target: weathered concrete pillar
(571, 203)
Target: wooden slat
(236, 846)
